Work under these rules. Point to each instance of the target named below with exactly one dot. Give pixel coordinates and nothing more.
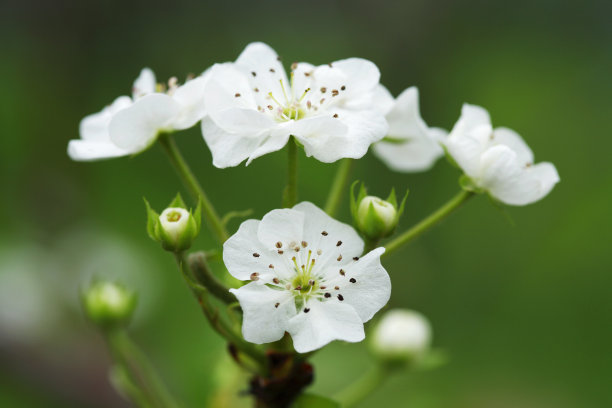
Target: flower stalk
(358, 390)
(427, 223)
(338, 186)
(290, 195)
(191, 182)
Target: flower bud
(108, 304)
(401, 335)
(374, 217)
(175, 228)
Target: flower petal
(227, 87)
(284, 225)
(371, 288)
(244, 254)
(94, 127)
(263, 61)
(324, 322)
(266, 312)
(191, 98)
(382, 99)
(144, 84)
(332, 237)
(135, 128)
(508, 137)
(88, 150)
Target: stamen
(270, 107)
(276, 281)
(355, 258)
(323, 90)
(298, 287)
(294, 65)
(311, 282)
(339, 258)
(304, 244)
(343, 88)
(297, 268)
(284, 92)
(271, 266)
(324, 233)
(335, 92)
(319, 252)
(323, 287)
(342, 272)
(340, 297)
(254, 276)
(304, 95)
(327, 295)
(256, 89)
(254, 73)
(272, 70)
(337, 287)
(321, 101)
(236, 95)
(335, 115)
(256, 255)
(276, 305)
(279, 244)
(306, 310)
(274, 99)
(338, 243)
(352, 280)
(280, 251)
(309, 104)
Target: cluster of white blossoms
(307, 273)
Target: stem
(338, 186)
(433, 219)
(290, 195)
(143, 376)
(191, 182)
(360, 389)
(203, 275)
(219, 324)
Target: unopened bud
(374, 217)
(401, 335)
(176, 228)
(108, 304)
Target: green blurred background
(523, 311)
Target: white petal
(357, 75)
(284, 225)
(316, 134)
(411, 156)
(508, 137)
(263, 321)
(135, 128)
(372, 287)
(88, 150)
(94, 127)
(323, 232)
(270, 144)
(364, 128)
(466, 148)
(262, 60)
(191, 98)
(228, 87)
(382, 99)
(244, 254)
(145, 84)
(473, 116)
(229, 149)
(513, 183)
(324, 322)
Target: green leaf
(178, 202)
(314, 401)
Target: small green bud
(176, 228)
(108, 304)
(401, 336)
(374, 217)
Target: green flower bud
(108, 304)
(401, 336)
(176, 228)
(374, 217)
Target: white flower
(174, 221)
(498, 160)
(254, 109)
(131, 124)
(401, 334)
(410, 145)
(307, 278)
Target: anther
(254, 276)
(298, 287)
(339, 258)
(321, 101)
(323, 90)
(324, 233)
(319, 252)
(280, 251)
(279, 244)
(335, 92)
(306, 310)
(271, 266)
(237, 95)
(308, 104)
(270, 107)
(330, 64)
(323, 287)
(343, 88)
(256, 255)
(276, 281)
(340, 297)
(276, 305)
(338, 243)
(342, 272)
(304, 244)
(254, 73)
(352, 280)
(311, 282)
(336, 287)
(327, 295)
(355, 258)
(307, 74)
(272, 70)
(336, 115)
(294, 65)
(297, 249)
(256, 89)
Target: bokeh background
(523, 309)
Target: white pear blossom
(307, 278)
(410, 145)
(131, 124)
(401, 333)
(254, 108)
(498, 160)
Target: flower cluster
(303, 272)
